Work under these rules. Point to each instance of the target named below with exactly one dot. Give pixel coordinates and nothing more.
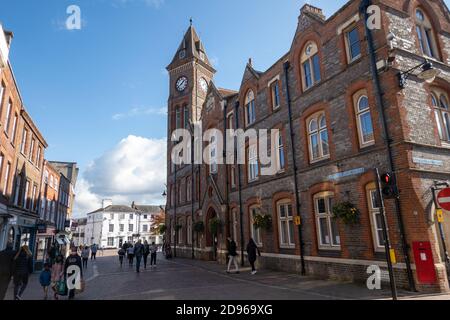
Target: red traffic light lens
(386, 178)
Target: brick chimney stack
(317, 12)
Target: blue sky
(97, 93)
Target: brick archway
(211, 213)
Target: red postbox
(426, 272)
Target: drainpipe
(175, 213)
(294, 162)
(227, 179)
(378, 95)
(241, 212)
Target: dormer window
(310, 62)
(425, 35)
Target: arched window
(213, 167)
(189, 189)
(439, 100)
(318, 137)
(285, 224)
(310, 66)
(363, 119)
(255, 232)
(250, 112)
(425, 34)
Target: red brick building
(343, 123)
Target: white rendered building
(112, 225)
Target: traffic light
(388, 186)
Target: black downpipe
(241, 213)
(294, 162)
(376, 79)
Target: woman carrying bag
(58, 284)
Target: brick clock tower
(190, 74)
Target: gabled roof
(227, 93)
(120, 209)
(147, 209)
(193, 48)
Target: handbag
(61, 288)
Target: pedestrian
(138, 253)
(85, 256)
(168, 251)
(94, 250)
(57, 275)
(121, 254)
(6, 260)
(232, 254)
(252, 251)
(45, 279)
(146, 253)
(73, 260)
(22, 267)
(154, 252)
(52, 254)
(130, 255)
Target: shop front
(4, 218)
(44, 239)
(21, 230)
(63, 243)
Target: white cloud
(136, 112)
(134, 170)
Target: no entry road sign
(443, 199)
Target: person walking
(73, 260)
(6, 260)
(146, 253)
(138, 253)
(232, 254)
(252, 251)
(22, 267)
(45, 279)
(52, 254)
(121, 254)
(57, 275)
(154, 252)
(85, 256)
(94, 250)
(130, 255)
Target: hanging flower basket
(199, 227)
(347, 212)
(162, 229)
(214, 225)
(263, 222)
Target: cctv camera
(390, 36)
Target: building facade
(113, 225)
(21, 163)
(340, 111)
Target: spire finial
(191, 21)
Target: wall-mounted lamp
(428, 73)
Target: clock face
(182, 84)
(203, 85)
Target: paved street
(183, 279)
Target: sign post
(443, 199)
